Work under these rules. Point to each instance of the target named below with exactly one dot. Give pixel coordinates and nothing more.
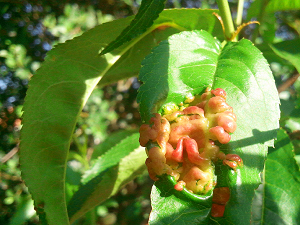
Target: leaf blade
(185, 65)
(280, 185)
(169, 22)
(271, 6)
(110, 172)
(186, 211)
(166, 83)
(287, 50)
(277, 5)
(148, 12)
(54, 100)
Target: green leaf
(60, 88)
(270, 55)
(56, 95)
(73, 178)
(172, 207)
(162, 71)
(278, 5)
(289, 50)
(111, 141)
(268, 28)
(277, 199)
(169, 22)
(293, 122)
(148, 12)
(189, 62)
(271, 6)
(110, 172)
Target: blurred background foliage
(28, 29)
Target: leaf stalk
(227, 18)
(239, 15)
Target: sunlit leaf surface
(189, 62)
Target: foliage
(150, 9)
(108, 174)
(273, 188)
(67, 118)
(214, 68)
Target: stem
(226, 17)
(10, 154)
(239, 15)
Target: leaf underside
(189, 62)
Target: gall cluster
(183, 143)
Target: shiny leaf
(189, 62)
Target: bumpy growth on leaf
(183, 66)
(183, 143)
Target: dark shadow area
(251, 158)
(259, 137)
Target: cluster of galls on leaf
(182, 143)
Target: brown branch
(10, 154)
(289, 82)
